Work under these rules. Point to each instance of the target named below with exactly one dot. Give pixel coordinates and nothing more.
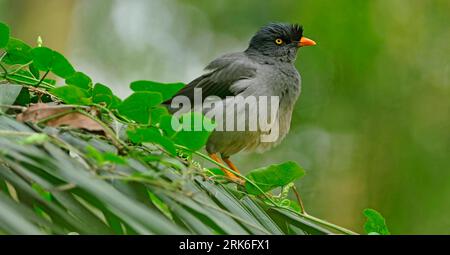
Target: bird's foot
(230, 175)
(237, 180)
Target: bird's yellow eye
(279, 41)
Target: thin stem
(299, 200)
(55, 116)
(47, 85)
(20, 67)
(5, 72)
(119, 118)
(14, 107)
(43, 78)
(328, 224)
(3, 55)
(111, 114)
(34, 89)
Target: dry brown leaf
(40, 111)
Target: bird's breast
(282, 83)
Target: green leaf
(41, 191)
(216, 172)
(156, 114)
(43, 58)
(287, 203)
(160, 205)
(93, 153)
(47, 59)
(110, 157)
(61, 66)
(273, 176)
(375, 224)
(18, 52)
(34, 71)
(80, 80)
(18, 78)
(116, 101)
(102, 94)
(165, 123)
(167, 90)
(4, 35)
(195, 131)
(137, 106)
(72, 95)
(104, 158)
(50, 81)
(151, 135)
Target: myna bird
(265, 68)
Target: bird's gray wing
(223, 72)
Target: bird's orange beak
(306, 42)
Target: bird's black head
(279, 40)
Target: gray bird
(265, 68)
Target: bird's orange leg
(227, 173)
(234, 168)
(231, 165)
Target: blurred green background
(372, 126)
